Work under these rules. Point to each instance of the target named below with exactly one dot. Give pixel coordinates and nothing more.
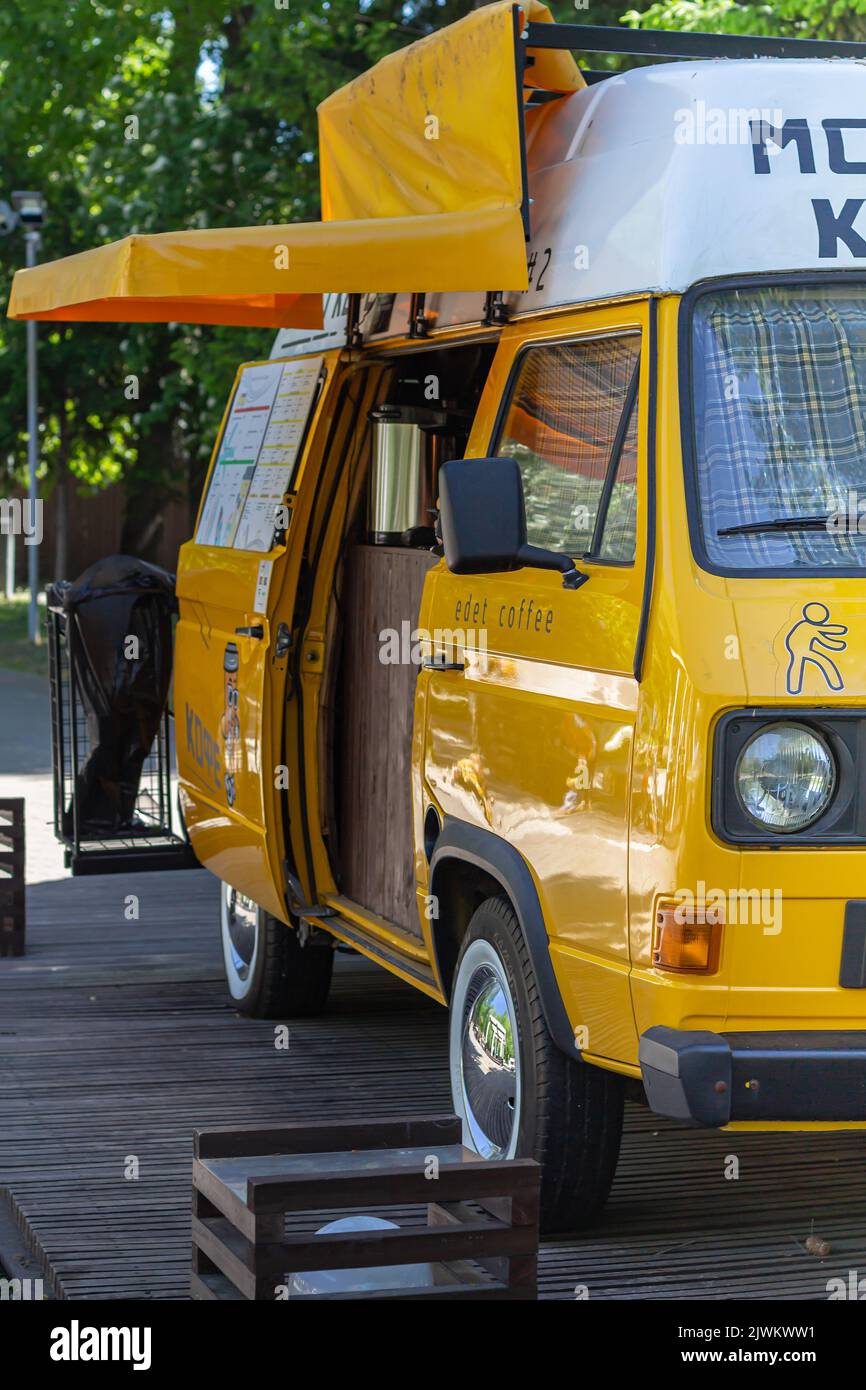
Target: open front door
(236, 584)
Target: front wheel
(269, 973)
(518, 1094)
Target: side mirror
(483, 522)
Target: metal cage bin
(146, 840)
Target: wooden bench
(260, 1195)
(12, 878)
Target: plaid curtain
(780, 420)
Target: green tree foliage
(147, 115)
(795, 19)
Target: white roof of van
(654, 179)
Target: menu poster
(239, 450)
(278, 456)
(258, 453)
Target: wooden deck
(116, 1040)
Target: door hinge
(283, 641)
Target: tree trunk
(61, 526)
(61, 503)
(151, 482)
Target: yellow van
(521, 640)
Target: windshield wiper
(777, 523)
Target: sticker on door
(263, 584)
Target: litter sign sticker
(809, 643)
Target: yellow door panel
(533, 738)
(221, 678)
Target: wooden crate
(12, 905)
(260, 1195)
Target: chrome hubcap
(241, 927)
(489, 1063)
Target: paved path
(25, 767)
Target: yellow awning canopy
(436, 127)
(422, 189)
(271, 276)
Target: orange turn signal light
(687, 939)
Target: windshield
(779, 391)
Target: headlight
(785, 777)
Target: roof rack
(667, 43)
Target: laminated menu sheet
(258, 453)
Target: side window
(571, 425)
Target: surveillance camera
(30, 208)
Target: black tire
(282, 979)
(569, 1112)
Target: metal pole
(31, 246)
(10, 562)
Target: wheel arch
(469, 864)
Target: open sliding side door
(237, 585)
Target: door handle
(256, 631)
(444, 665)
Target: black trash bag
(123, 695)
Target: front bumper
(714, 1078)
